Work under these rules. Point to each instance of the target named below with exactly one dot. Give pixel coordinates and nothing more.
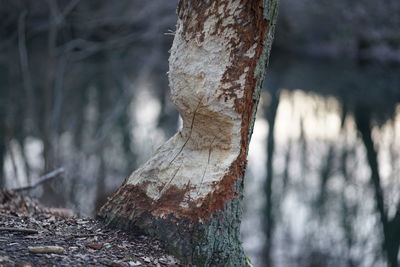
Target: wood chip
(46, 249)
(94, 246)
(26, 264)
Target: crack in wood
(169, 182)
(190, 131)
(208, 163)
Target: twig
(84, 235)
(41, 180)
(19, 230)
(72, 4)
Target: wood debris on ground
(46, 249)
(33, 235)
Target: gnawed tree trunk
(188, 194)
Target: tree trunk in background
(2, 140)
(391, 231)
(189, 193)
(4, 106)
(269, 219)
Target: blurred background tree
(65, 67)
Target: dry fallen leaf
(96, 246)
(26, 264)
(146, 259)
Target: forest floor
(34, 235)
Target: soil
(26, 225)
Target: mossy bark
(189, 193)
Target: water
(323, 182)
(322, 185)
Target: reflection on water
(323, 177)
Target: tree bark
(189, 193)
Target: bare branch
(41, 180)
(71, 5)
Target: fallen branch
(46, 249)
(19, 230)
(40, 180)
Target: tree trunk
(269, 215)
(391, 234)
(189, 193)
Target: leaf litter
(34, 235)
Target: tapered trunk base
(204, 242)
